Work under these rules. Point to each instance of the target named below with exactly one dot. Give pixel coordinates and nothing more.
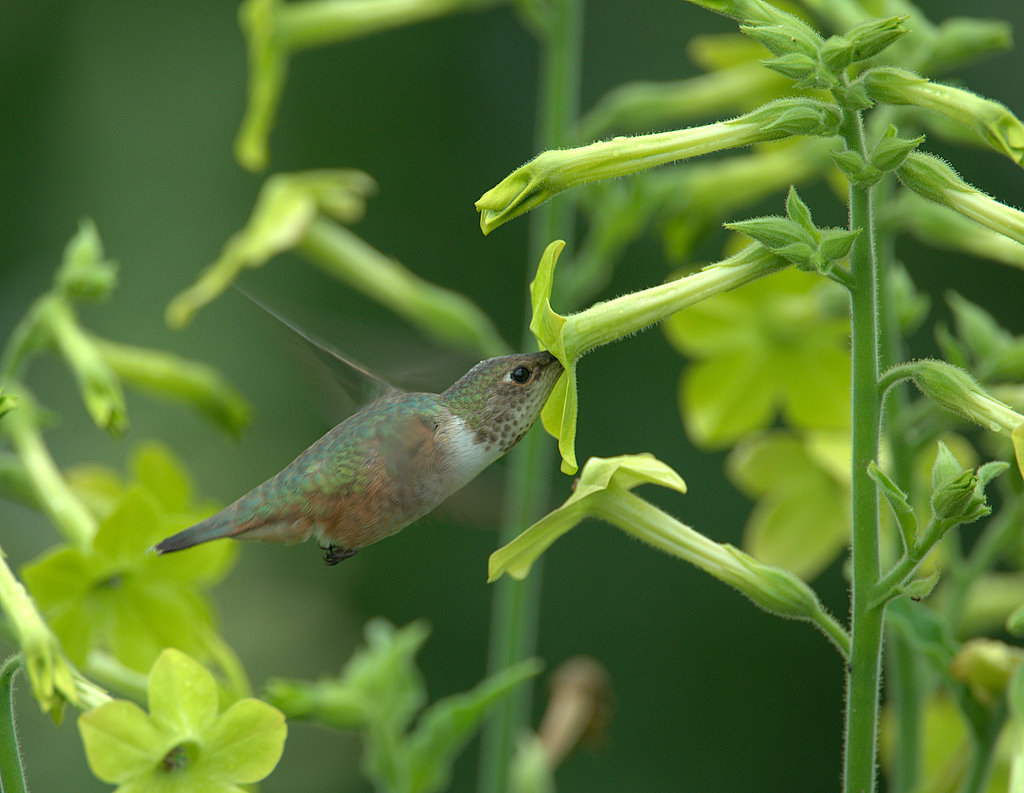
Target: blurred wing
(359, 383)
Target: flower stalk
(47, 486)
(866, 618)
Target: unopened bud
(986, 666)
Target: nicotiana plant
(797, 363)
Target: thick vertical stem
(863, 680)
(515, 606)
(12, 778)
(905, 681)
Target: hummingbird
(390, 463)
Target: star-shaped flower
(183, 744)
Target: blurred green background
(126, 113)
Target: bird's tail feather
(213, 528)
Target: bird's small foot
(334, 554)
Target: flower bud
(986, 666)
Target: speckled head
(500, 398)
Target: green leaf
(855, 168)
(799, 212)
(899, 503)
(836, 243)
(920, 588)
(380, 690)
(890, 151)
(863, 41)
(447, 725)
(784, 34)
(795, 65)
(774, 232)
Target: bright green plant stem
(12, 778)
(50, 490)
(864, 675)
(516, 603)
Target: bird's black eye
(520, 374)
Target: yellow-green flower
(778, 345)
(116, 595)
(184, 744)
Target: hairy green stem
(904, 680)
(864, 676)
(516, 603)
(12, 777)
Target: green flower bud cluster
(796, 238)
(887, 155)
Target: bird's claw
(334, 554)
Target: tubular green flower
(954, 389)
(568, 338)
(101, 390)
(934, 179)
(603, 491)
(649, 105)
(447, 315)
(994, 121)
(84, 271)
(554, 171)
(294, 211)
(170, 375)
(941, 226)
